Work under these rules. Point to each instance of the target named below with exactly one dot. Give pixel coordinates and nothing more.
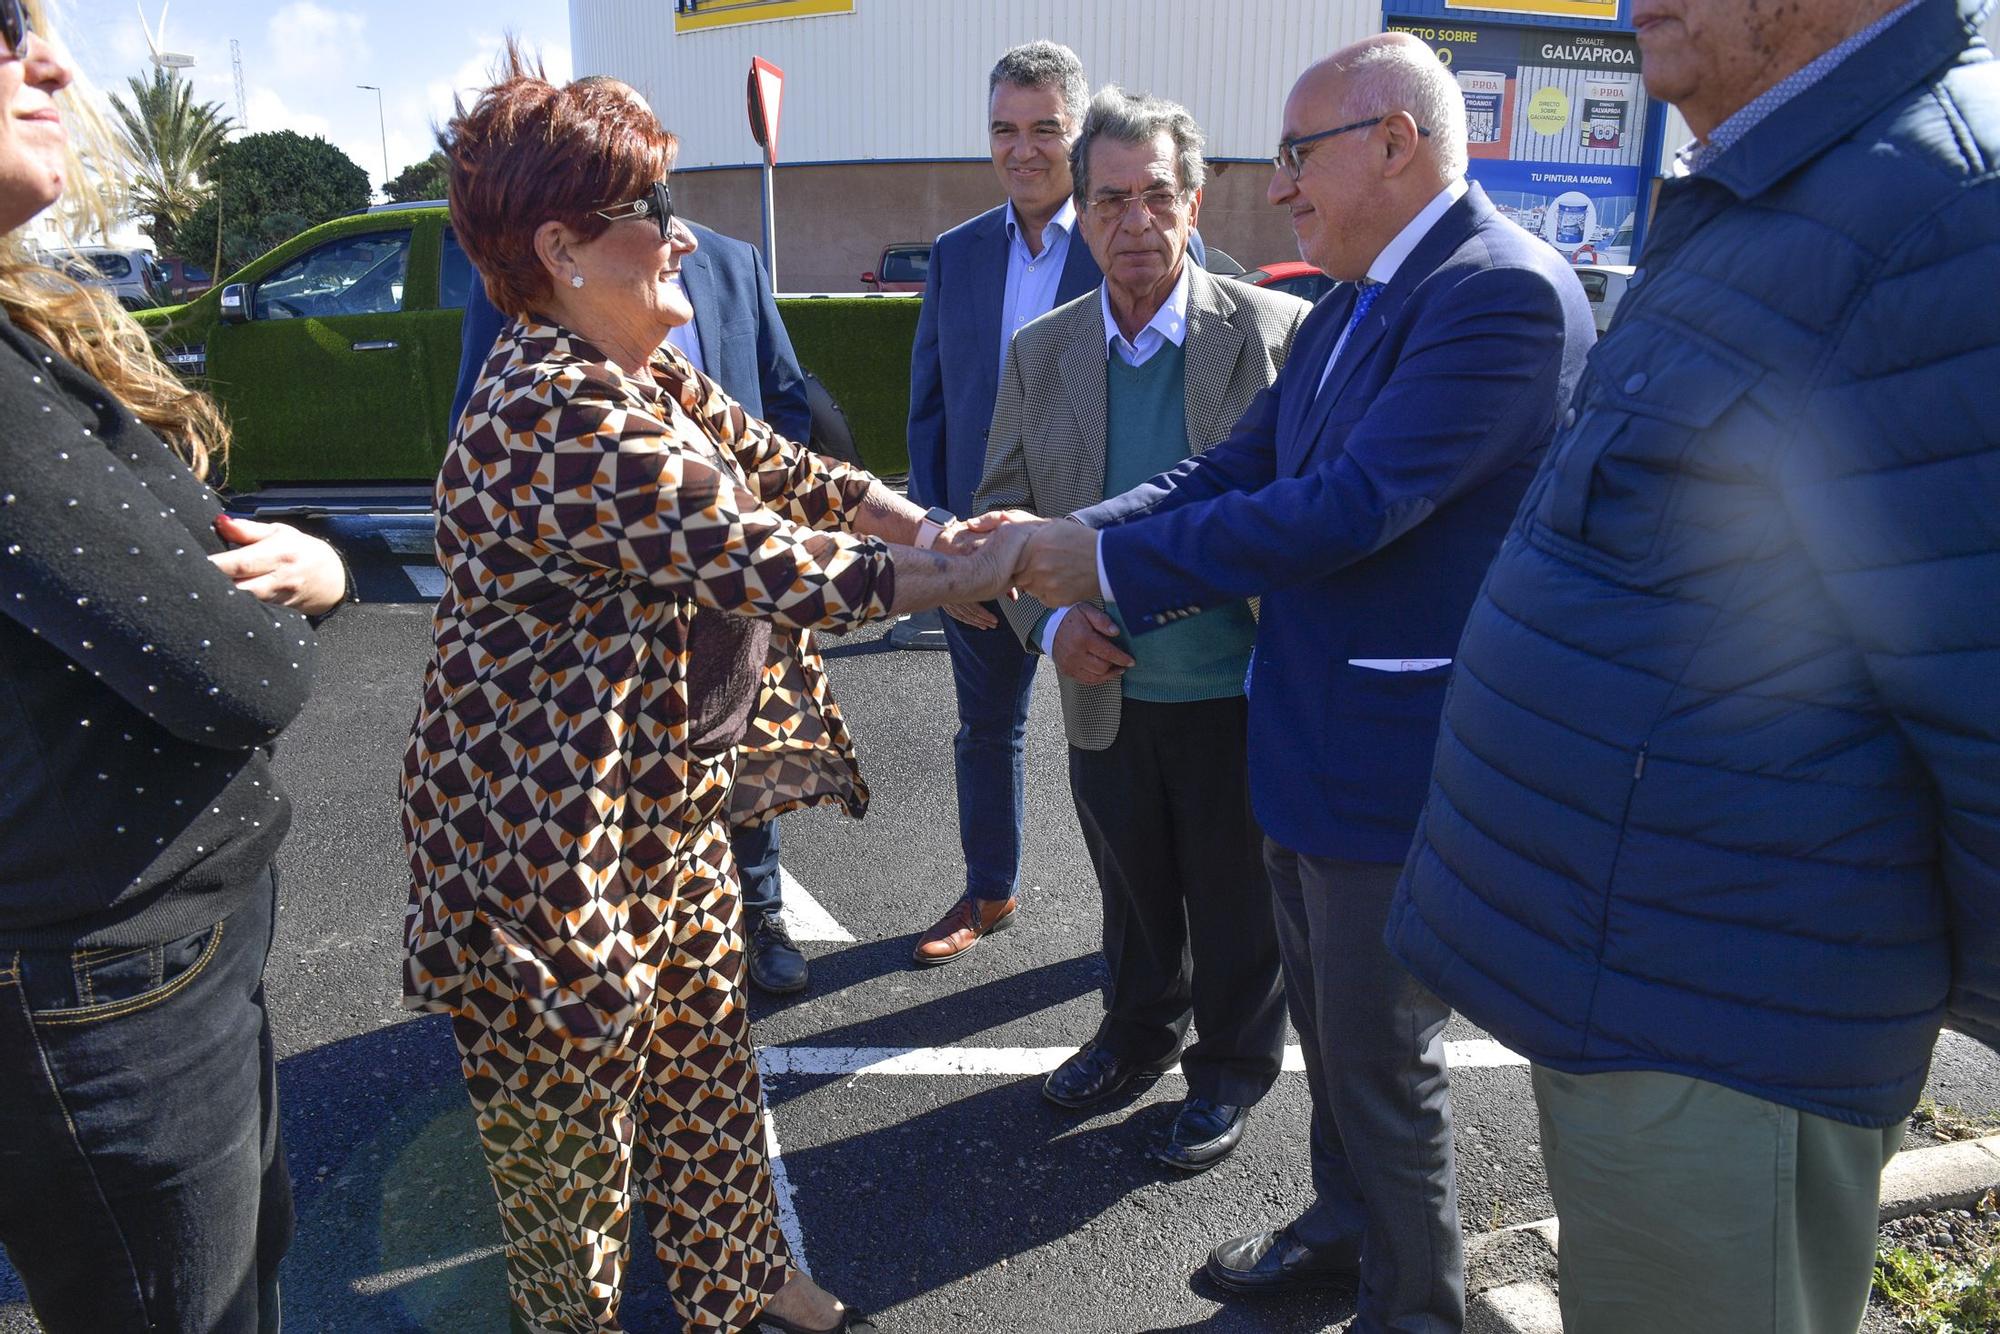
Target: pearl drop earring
(576, 280)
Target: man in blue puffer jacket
(1713, 835)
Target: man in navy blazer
(1362, 496)
(988, 277)
(740, 342)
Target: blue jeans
(756, 848)
(994, 678)
(142, 1184)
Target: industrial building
(883, 132)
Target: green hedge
(859, 347)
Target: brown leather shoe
(960, 929)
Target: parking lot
(924, 1177)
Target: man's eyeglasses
(1159, 203)
(14, 25)
(1291, 161)
(656, 204)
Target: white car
(1605, 285)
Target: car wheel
(831, 434)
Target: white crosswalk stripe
(777, 1062)
(803, 916)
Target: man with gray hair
(1152, 367)
(1363, 496)
(989, 277)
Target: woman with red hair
(626, 552)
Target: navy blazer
(1365, 517)
(743, 341)
(955, 364)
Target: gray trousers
(1381, 1123)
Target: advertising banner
(1555, 124)
(698, 15)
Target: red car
(1291, 275)
(903, 268)
(185, 281)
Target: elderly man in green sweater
(1099, 395)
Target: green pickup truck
(335, 356)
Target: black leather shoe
(1094, 1074)
(1276, 1262)
(776, 965)
(1201, 1136)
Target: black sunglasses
(14, 25)
(656, 204)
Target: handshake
(1054, 561)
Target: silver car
(133, 276)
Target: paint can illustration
(1485, 105)
(1569, 223)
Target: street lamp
(382, 125)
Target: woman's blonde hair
(86, 324)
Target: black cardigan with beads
(139, 691)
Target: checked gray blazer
(1045, 449)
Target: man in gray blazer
(1121, 384)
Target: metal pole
(382, 124)
(770, 226)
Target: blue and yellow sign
(1565, 9)
(696, 15)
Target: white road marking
(777, 1062)
(428, 580)
(781, 1186)
(803, 915)
(374, 1285)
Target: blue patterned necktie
(1369, 291)
(1362, 302)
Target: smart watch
(936, 519)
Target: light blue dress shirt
(1032, 279)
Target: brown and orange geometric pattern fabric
(563, 840)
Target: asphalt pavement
(924, 1177)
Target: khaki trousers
(1688, 1206)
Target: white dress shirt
(1168, 325)
(1399, 248)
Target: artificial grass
(307, 407)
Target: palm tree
(171, 141)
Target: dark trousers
(1188, 930)
(993, 676)
(1381, 1123)
(142, 1184)
(756, 848)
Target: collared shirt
(1702, 153)
(1032, 279)
(1168, 325)
(683, 336)
(1399, 248)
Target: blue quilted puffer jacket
(1718, 786)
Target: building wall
(834, 220)
(907, 78)
(883, 136)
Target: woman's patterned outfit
(575, 908)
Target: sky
(302, 60)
